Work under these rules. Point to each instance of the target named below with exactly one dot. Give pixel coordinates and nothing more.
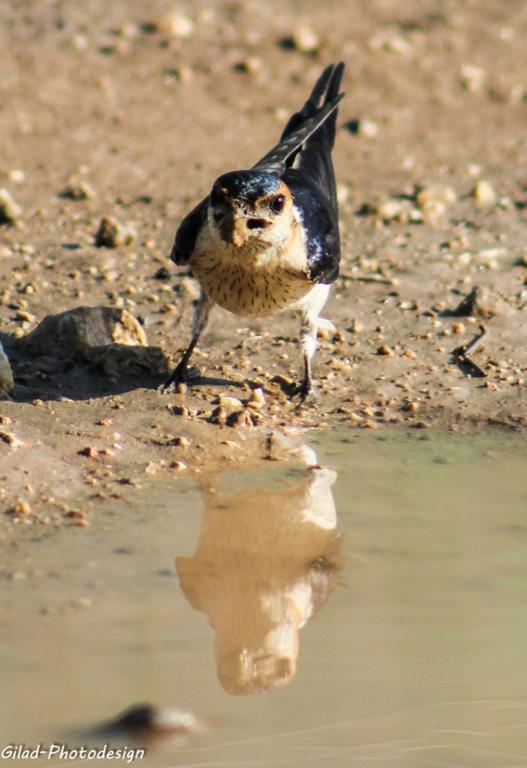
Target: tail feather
(314, 157)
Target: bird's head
(251, 206)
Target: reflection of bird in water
(265, 562)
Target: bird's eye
(277, 203)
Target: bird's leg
(201, 315)
(308, 342)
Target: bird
(266, 240)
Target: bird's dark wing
(314, 158)
(320, 222)
(278, 158)
(188, 231)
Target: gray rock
(6, 374)
(77, 333)
(9, 210)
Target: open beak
(236, 227)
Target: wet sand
(126, 111)
(368, 609)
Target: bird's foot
(307, 390)
(323, 324)
(179, 375)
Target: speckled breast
(249, 291)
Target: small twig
(465, 363)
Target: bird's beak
(233, 229)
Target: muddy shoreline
(429, 160)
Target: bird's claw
(178, 376)
(307, 390)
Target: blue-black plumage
(266, 240)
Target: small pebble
(442, 193)
(180, 441)
(112, 234)
(9, 438)
(230, 404)
(252, 65)
(6, 374)
(257, 399)
(89, 452)
(80, 190)
(392, 210)
(17, 176)
(175, 25)
(473, 78)
(384, 349)
(484, 195)
(20, 508)
(178, 466)
(305, 40)
(10, 211)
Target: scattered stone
(89, 452)
(390, 41)
(229, 404)
(10, 211)
(21, 508)
(179, 410)
(17, 176)
(393, 210)
(363, 127)
(19, 576)
(80, 332)
(473, 78)
(415, 216)
(252, 65)
(6, 374)
(436, 193)
(179, 74)
(303, 39)
(458, 328)
(484, 195)
(77, 517)
(175, 25)
(9, 438)
(257, 399)
(178, 466)
(146, 722)
(112, 234)
(242, 419)
(180, 441)
(385, 350)
(78, 190)
(162, 274)
(24, 317)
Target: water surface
(371, 610)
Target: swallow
(266, 240)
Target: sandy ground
(140, 105)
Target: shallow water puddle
(369, 610)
